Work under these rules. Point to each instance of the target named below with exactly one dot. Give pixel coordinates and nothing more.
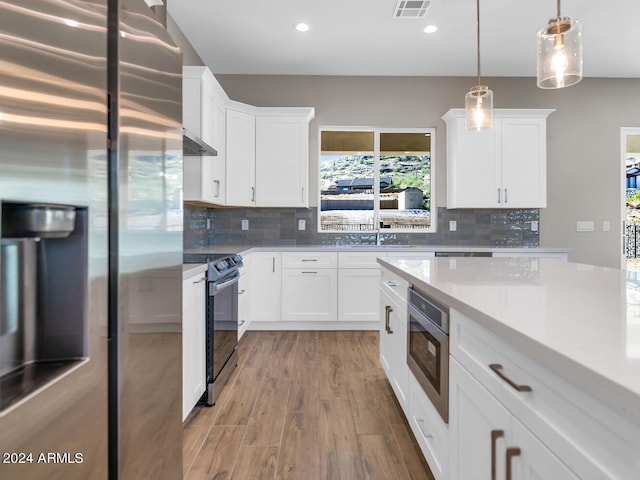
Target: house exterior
(361, 184)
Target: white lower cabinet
(431, 433)
(393, 344)
(358, 286)
(193, 341)
(490, 443)
(265, 286)
(310, 287)
(244, 298)
(552, 429)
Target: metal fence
(632, 231)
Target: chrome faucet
(378, 239)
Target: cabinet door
(524, 164)
(535, 461)
(193, 342)
(265, 286)
(240, 153)
(358, 294)
(393, 346)
(473, 166)
(282, 161)
(475, 420)
(309, 294)
(218, 176)
(207, 113)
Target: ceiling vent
(411, 8)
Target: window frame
(376, 175)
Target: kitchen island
(568, 333)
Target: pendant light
(559, 53)
(478, 102)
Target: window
(376, 179)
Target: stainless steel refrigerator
(91, 233)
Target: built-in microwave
(428, 348)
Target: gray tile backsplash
(279, 226)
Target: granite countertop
(581, 321)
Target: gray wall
(583, 149)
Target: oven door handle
(216, 287)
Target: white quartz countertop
(192, 269)
(581, 321)
(243, 249)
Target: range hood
(192, 145)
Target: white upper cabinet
(203, 113)
(241, 158)
(503, 167)
(282, 158)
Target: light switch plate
(534, 225)
(584, 226)
(302, 224)
(453, 225)
(245, 224)
(606, 226)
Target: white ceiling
(361, 37)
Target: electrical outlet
(245, 224)
(534, 225)
(453, 225)
(606, 226)
(302, 224)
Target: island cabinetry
(489, 442)
(193, 341)
(431, 433)
(503, 167)
(265, 286)
(547, 427)
(309, 286)
(203, 112)
(393, 334)
(358, 286)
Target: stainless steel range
(222, 322)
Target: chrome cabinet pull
(309, 260)
(511, 452)
(253, 194)
(200, 281)
(495, 435)
(241, 291)
(387, 315)
(499, 197)
(390, 283)
(274, 265)
(506, 196)
(302, 196)
(241, 323)
(308, 272)
(497, 369)
(216, 183)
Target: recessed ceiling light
(430, 29)
(301, 27)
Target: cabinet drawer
(395, 286)
(359, 259)
(594, 440)
(430, 431)
(309, 259)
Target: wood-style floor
(304, 406)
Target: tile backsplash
(279, 226)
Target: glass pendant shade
(559, 53)
(478, 104)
